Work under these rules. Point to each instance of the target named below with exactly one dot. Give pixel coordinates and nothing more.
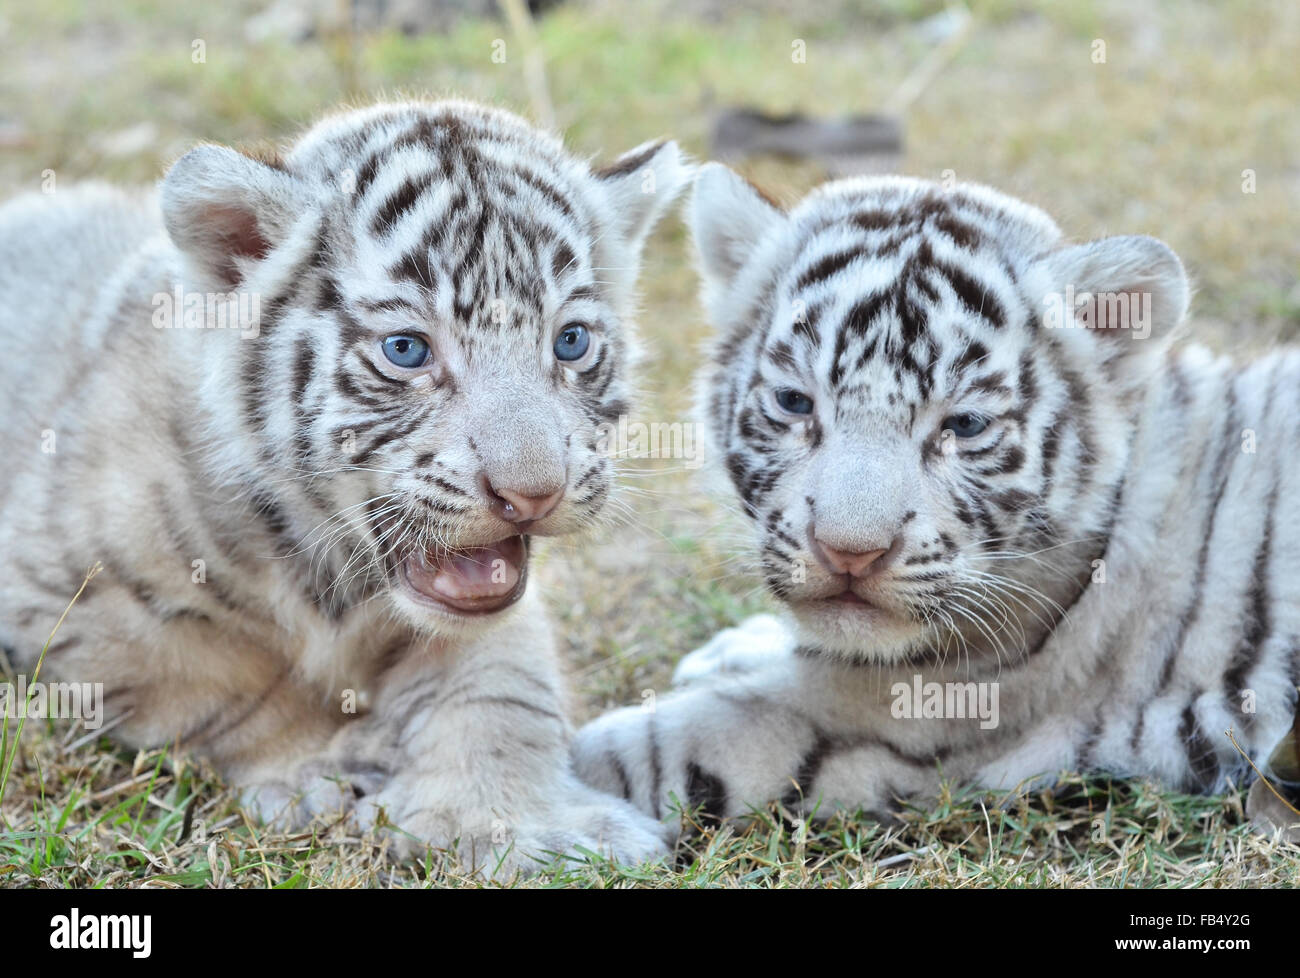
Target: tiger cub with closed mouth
(308, 413)
(1017, 528)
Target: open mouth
(473, 581)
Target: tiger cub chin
(308, 413)
(1016, 527)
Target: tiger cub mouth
(471, 581)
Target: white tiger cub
(314, 514)
(1016, 530)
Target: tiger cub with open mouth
(1017, 530)
(308, 413)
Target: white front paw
(500, 847)
(751, 645)
(599, 823)
(292, 799)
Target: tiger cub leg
(200, 691)
(792, 730)
(476, 738)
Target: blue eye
(965, 425)
(793, 401)
(406, 351)
(572, 343)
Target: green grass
(1153, 141)
(96, 818)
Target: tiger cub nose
(517, 507)
(855, 563)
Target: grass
(96, 818)
(1155, 140)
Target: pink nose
(515, 507)
(855, 563)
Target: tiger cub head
(924, 398)
(444, 297)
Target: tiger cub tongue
(480, 574)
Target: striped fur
(1118, 550)
(258, 501)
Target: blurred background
(1176, 119)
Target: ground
(1186, 131)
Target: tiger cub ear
(1130, 293)
(641, 184)
(728, 217)
(225, 210)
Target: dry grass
(1153, 141)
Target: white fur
(244, 493)
(1147, 596)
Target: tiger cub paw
(598, 822)
(292, 806)
(293, 796)
(749, 647)
(585, 823)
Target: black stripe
(1259, 623)
(656, 767)
(516, 703)
(706, 793)
(375, 371)
(1202, 758)
(1116, 502)
(810, 766)
(1192, 611)
(386, 436)
(399, 202)
(978, 299)
(548, 191)
(827, 266)
(624, 785)
(630, 162)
